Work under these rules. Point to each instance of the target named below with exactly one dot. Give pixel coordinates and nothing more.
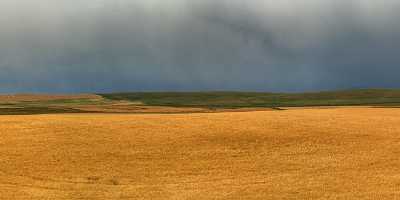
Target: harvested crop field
(340, 153)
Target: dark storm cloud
(122, 45)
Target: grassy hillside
(254, 99)
(139, 102)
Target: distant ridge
(260, 99)
(44, 97)
(189, 102)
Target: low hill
(45, 97)
(185, 102)
(256, 99)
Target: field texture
(340, 153)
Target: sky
(72, 46)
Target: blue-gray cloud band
(265, 45)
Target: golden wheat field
(341, 153)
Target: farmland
(382, 97)
(190, 102)
(295, 153)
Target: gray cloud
(265, 45)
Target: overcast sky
(141, 45)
